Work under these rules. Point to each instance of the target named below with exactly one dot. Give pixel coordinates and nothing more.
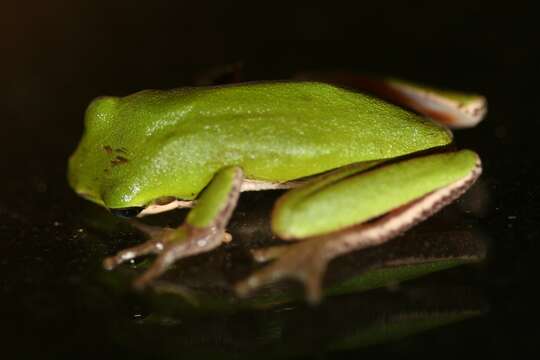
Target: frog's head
(109, 167)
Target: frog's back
(275, 131)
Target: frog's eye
(129, 212)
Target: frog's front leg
(352, 210)
(202, 231)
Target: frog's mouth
(127, 212)
(90, 197)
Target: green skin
(274, 131)
(201, 143)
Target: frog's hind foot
(304, 261)
(169, 245)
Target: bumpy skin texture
(171, 143)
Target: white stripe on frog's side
(447, 111)
(257, 185)
(157, 208)
(247, 185)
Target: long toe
(148, 247)
(304, 262)
(165, 259)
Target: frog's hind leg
(203, 230)
(306, 261)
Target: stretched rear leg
(364, 209)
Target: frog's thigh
(355, 195)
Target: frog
(356, 170)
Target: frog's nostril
(129, 212)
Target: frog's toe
(269, 253)
(304, 262)
(178, 245)
(159, 266)
(153, 246)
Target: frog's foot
(170, 245)
(155, 245)
(304, 261)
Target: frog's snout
(128, 213)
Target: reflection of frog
(344, 322)
(157, 150)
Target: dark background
(55, 56)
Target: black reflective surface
(477, 257)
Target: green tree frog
(347, 157)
